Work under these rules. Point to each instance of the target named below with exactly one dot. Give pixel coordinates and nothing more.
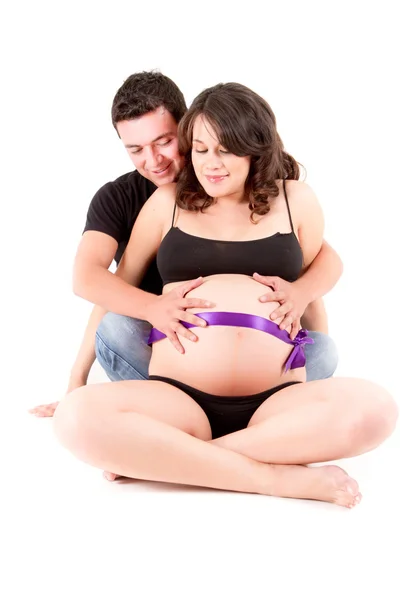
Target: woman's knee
(72, 420)
(376, 419)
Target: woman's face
(220, 172)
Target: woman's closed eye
(204, 151)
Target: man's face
(152, 144)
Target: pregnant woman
(231, 409)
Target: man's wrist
(303, 287)
(148, 300)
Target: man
(145, 113)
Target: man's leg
(321, 357)
(121, 347)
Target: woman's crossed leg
(152, 431)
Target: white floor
(67, 533)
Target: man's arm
(94, 282)
(322, 274)
(322, 267)
(86, 354)
(97, 250)
(315, 317)
(118, 292)
(93, 259)
(320, 277)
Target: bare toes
(110, 476)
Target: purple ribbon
(297, 357)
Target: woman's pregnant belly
(227, 361)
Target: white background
(329, 72)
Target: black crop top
(182, 256)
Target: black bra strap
(173, 215)
(287, 204)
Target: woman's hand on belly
(166, 312)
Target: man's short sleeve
(106, 212)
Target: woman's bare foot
(328, 483)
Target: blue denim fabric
(122, 350)
(321, 357)
(121, 347)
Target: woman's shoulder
(161, 202)
(301, 196)
(297, 189)
(164, 195)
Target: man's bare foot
(328, 483)
(110, 476)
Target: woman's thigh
(341, 394)
(97, 403)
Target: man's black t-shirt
(113, 211)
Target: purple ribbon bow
(297, 357)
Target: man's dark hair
(144, 92)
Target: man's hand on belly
(292, 300)
(166, 312)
